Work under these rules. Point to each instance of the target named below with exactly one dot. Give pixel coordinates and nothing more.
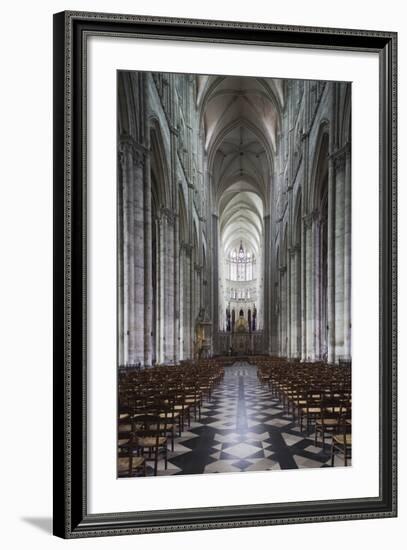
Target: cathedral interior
(234, 273)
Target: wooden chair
(129, 461)
(342, 440)
(193, 398)
(131, 465)
(124, 432)
(169, 417)
(149, 439)
(312, 408)
(182, 408)
(329, 419)
(299, 401)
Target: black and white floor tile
(242, 429)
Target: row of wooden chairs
(156, 403)
(317, 396)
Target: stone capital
(187, 248)
(340, 162)
(139, 158)
(131, 151)
(339, 155)
(316, 215)
(168, 215)
(308, 220)
(292, 250)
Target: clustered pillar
(131, 251)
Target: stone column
(215, 280)
(309, 288)
(161, 228)
(138, 257)
(275, 312)
(124, 215)
(288, 303)
(192, 315)
(294, 300)
(298, 305)
(177, 299)
(128, 215)
(318, 322)
(339, 254)
(304, 252)
(303, 292)
(290, 268)
(260, 299)
(283, 310)
(347, 351)
(266, 306)
(279, 347)
(148, 275)
(187, 300)
(132, 158)
(331, 261)
(181, 324)
(174, 220)
(167, 259)
(199, 287)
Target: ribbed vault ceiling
(241, 118)
(241, 219)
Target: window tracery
(240, 264)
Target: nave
(234, 218)
(243, 423)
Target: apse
(241, 259)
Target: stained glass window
(241, 264)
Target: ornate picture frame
(71, 511)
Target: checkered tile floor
(241, 430)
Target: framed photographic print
(224, 274)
